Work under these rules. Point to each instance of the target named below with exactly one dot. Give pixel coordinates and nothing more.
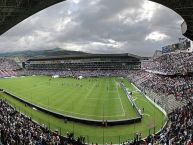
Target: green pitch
(95, 98)
(91, 98)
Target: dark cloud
(98, 26)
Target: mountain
(41, 53)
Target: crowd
(7, 73)
(8, 64)
(94, 73)
(17, 129)
(97, 73)
(179, 130)
(170, 64)
(45, 72)
(179, 86)
(8, 67)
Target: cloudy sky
(97, 26)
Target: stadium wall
(75, 119)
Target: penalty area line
(144, 114)
(119, 97)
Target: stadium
(82, 98)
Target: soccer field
(90, 98)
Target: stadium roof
(185, 9)
(14, 11)
(81, 56)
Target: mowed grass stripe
(42, 98)
(129, 110)
(72, 97)
(83, 105)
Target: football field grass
(91, 98)
(95, 98)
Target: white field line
(88, 93)
(110, 90)
(143, 101)
(146, 114)
(119, 96)
(108, 87)
(134, 99)
(135, 91)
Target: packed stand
(8, 67)
(7, 73)
(179, 130)
(8, 64)
(170, 64)
(17, 129)
(179, 86)
(45, 72)
(95, 73)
